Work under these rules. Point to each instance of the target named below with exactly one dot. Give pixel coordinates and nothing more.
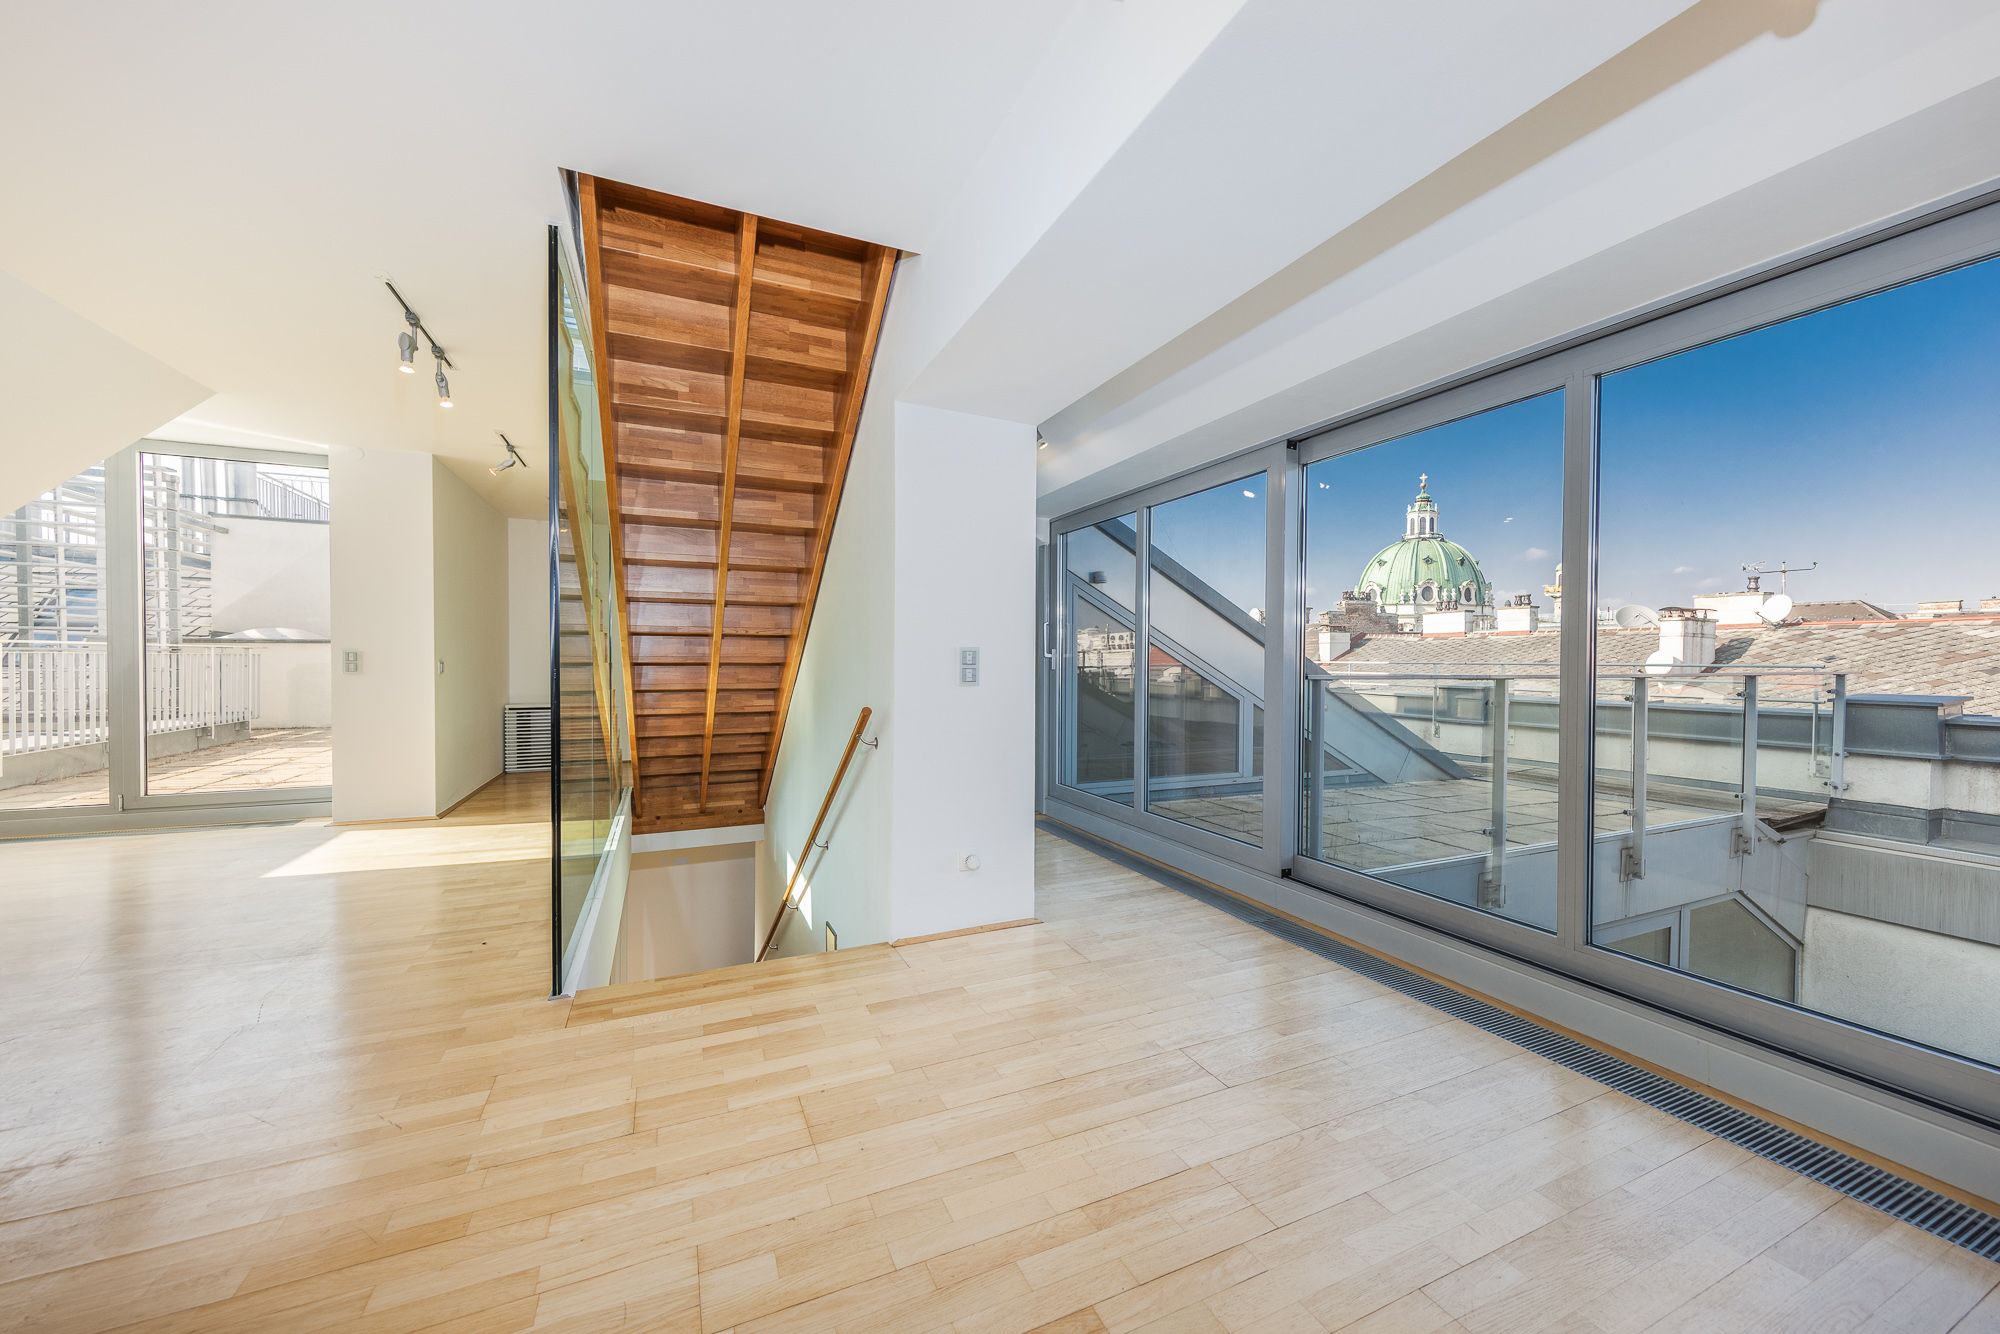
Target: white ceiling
(1736, 132)
(223, 185)
(1164, 229)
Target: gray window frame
(1922, 243)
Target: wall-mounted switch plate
(350, 661)
(968, 666)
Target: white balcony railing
(58, 695)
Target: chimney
(1989, 605)
(1326, 642)
(1687, 638)
(1941, 607)
(1518, 617)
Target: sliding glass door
(1430, 728)
(165, 643)
(1167, 660)
(1664, 661)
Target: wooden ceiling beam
(739, 360)
(881, 269)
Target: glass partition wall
(591, 764)
(1668, 661)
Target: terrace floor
(266, 761)
(1393, 824)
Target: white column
(385, 715)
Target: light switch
(968, 666)
(351, 661)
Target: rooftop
(1959, 656)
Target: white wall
(688, 910)
(295, 685)
(384, 716)
(934, 551)
(847, 664)
(963, 781)
(470, 605)
(527, 611)
(76, 393)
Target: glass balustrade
(592, 760)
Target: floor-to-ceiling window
(54, 667)
(1100, 715)
(1429, 748)
(1205, 646)
(1666, 661)
(164, 643)
(1797, 587)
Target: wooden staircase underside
(733, 353)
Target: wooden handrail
(812, 838)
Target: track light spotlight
(513, 459)
(406, 346)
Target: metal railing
(58, 695)
(306, 499)
(787, 904)
(1493, 705)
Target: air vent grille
(525, 739)
(1899, 1197)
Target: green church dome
(1423, 569)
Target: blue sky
(1865, 437)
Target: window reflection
(1205, 661)
(1430, 708)
(1794, 638)
(1100, 715)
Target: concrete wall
(384, 716)
(527, 611)
(688, 910)
(469, 569)
(270, 573)
(1912, 983)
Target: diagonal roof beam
(881, 268)
(739, 356)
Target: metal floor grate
(1920, 1206)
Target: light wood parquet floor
(303, 1078)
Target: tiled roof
(1854, 609)
(1955, 656)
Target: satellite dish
(1662, 663)
(1633, 616)
(1776, 608)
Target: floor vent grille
(1899, 1197)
